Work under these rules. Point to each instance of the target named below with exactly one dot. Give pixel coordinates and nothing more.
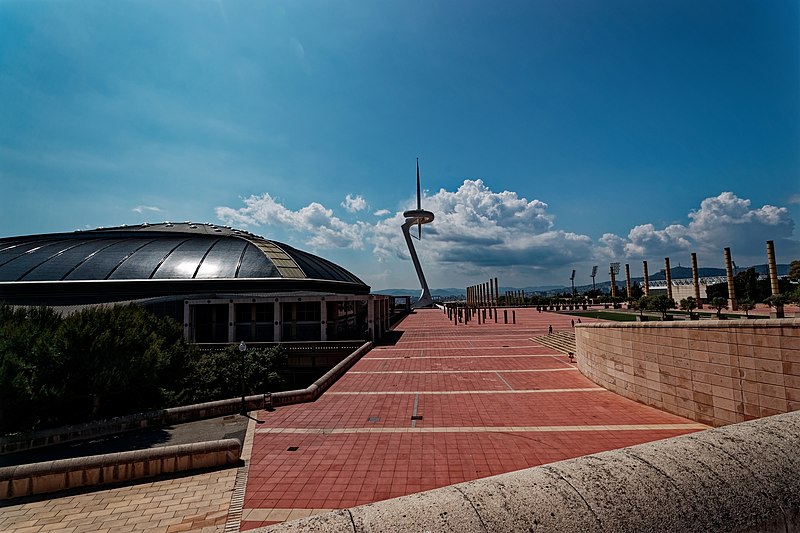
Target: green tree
(747, 286)
(111, 359)
(717, 290)
(29, 384)
(777, 301)
(794, 270)
(719, 304)
(636, 291)
(218, 375)
(641, 304)
(662, 304)
(689, 304)
(746, 305)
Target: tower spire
(419, 201)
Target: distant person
(573, 323)
(550, 330)
(579, 321)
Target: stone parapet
(741, 477)
(715, 372)
(52, 476)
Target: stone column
(773, 278)
(496, 291)
(696, 281)
(773, 268)
(646, 279)
(669, 277)
(732, 305)
(628, 280)
(613, 282)
(491, 297)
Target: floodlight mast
(419, 217)
(572, 280)
(594, 273)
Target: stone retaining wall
(715, 372)
(315, 390)
(122, 424)
(38, 478)
(741, 478)
(178, 415)
(52, 476)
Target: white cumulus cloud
(478, 227)
(319, 225)
(149, 208)
(721, 221)
(354, 204)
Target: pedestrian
(549, 329)
(579, 321)
(573, 322)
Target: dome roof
(167, 251)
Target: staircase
(563, 341)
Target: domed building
(223, 284)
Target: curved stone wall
(741, 477)
(715, 372)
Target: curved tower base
(418, 217)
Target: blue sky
(552, 135)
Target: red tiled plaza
(447, 403)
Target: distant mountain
(678, 272)
(455, 292)
(440, 293)
(686, 272)
(681, 272)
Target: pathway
(445, 404)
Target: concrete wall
(715, 372)
(52, 476)
(741, 477)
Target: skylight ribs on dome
(282, 261)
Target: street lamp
(242, 350)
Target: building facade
(222, 284)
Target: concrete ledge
(40, 478)
(177, 415)
(52, 476)
(315, 390)
(112, 426)
(741, 477)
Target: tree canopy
(111, 361)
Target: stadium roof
(167, 251)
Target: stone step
(563, 341)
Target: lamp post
(242, 350)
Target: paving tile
(487, 399)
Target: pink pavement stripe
(571, 368)
(486, 429)
(465, 363)
(356, 443)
